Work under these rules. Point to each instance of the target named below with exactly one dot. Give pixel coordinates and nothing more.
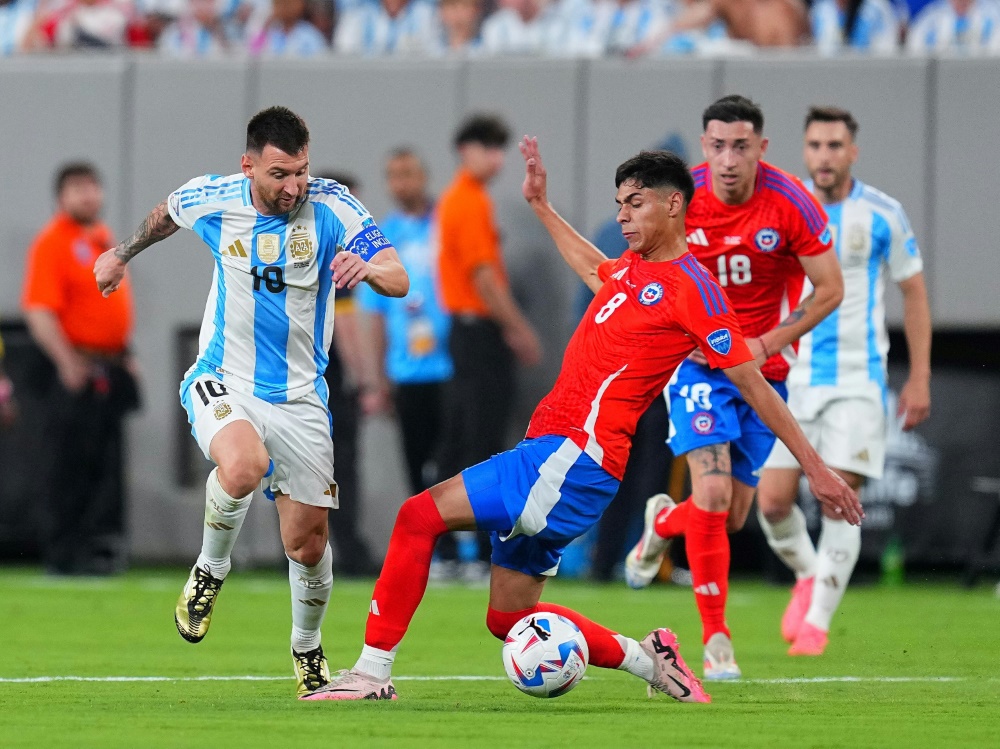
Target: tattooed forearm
(799, 312)
(712, 460)
(156, 226)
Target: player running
(651, 308)
(256, 397)
(837, 388)
(760, 232)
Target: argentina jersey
(268, 322)
(848, 349)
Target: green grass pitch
(925, 659)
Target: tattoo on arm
(156, 226)
(712, 460)
(799, 312)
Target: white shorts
(849, 433)
(297, 435)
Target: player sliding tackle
(652, 308)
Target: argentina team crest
(767, 240)
(300, 246)
(651, 293)
(720, 341)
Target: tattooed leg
(711, 474)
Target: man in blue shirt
(410, 335)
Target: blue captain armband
(369, 241)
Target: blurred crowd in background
(473, 28)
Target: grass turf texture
(124, 627)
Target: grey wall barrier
(152, 124)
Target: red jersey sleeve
(705, 313)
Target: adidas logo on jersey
(235, 250)
(708, 589)
(698, 237)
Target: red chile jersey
(642, 323)
(753, 249)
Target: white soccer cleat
(354, 685)
(645, 558)
(720, 662)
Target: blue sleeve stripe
(202, 199)
(339, 192)
(713, 286)
(798, 195)
(210, 188)
(791, 191)
(700, 175)
(709, 303)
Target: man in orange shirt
(489, 331)
(86, 337)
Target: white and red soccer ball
(545, 655)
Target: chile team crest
(767, 240)
(651, 293)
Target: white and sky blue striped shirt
(937, 28)
(848, 349)
(15, 20)
(595, 28)
(506, 33)
(268, 322)
(304, 40)
(367, 30)
(875, 30)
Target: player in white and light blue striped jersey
(282, 243)
(837, 389)
(956, 26)
(873, 28)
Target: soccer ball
(545, 654)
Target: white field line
(793, 680)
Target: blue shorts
(537, 498)
(707, 409)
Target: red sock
(673, 523)
(403, 580)
(605, 650)
(708, 554)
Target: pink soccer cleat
(672, 676)
(798, 607)
(354, 685)
(810, 641)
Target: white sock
(311, 587)
(790, 540)
(839, 546)
(637, 661)
(375, 662)
(223, 519)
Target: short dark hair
(73, 170)
(655, 170)
(832, 114)
(404, 152)
(734, 108)
(279, 127)
(347, 179)
(488, 130)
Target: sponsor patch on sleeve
(826, 237)
(368, 241)
(721, 341)
(911, 247)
